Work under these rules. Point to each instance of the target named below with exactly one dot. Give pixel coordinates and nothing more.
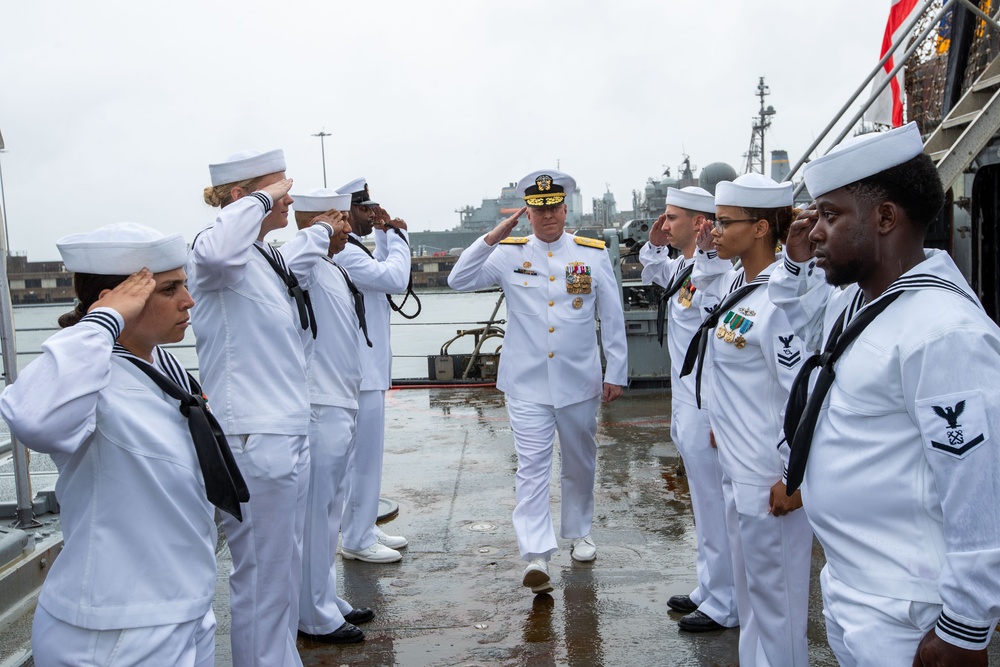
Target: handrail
(931, 26)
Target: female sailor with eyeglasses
(755, 357)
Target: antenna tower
(761, 123)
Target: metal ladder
(968, 127)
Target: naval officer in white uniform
(550, 365)
(334, 369)
(901, 482)
(712, 604)
(134, 583)
(755, 355)
(250, 310)
(377, 275)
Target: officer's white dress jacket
(682, 321)
(748, 388)
(387, 273)
(550, 354)
(901, 482)
(333, 359)
(246, 325)
(139, 532)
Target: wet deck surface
(456, 598)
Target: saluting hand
(705, 240)
(129, 297)
(503, 230)
(657, 236)
(278, 190)
(336, 219)
(798, 247)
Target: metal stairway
(968, 127)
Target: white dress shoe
(376, 553)
(391, 541)
(583, 549)
(536, 576)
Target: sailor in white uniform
(134, 583)
(901, 482)
(334, 368)
(377, 275)
(550, 365)
(712, 604)
(755, 355)
(249, 312)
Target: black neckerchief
(359, 300)
(224, 485)
(803, 409)
(409, 285)
(661, 308)
(699, 342)
(301, 296)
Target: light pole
(323, 134)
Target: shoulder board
(515, 240)
(589, 242)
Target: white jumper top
(550, 354)
(139, 532)
(901, 485)
(683, 317)
(749, 380)
(387, 273)
(334, 357)
(247, 326)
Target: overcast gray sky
(112, 110)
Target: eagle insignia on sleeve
(953, 425)
(786, 356)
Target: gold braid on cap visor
(545, 199)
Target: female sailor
(755, 357)
(247, 322)
(138, 456)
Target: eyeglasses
(720, 225)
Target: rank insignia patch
(786, 355)
(954, 425)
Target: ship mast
(761, 123)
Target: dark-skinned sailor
(897, 452)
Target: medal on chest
(578, 279)
(685, 294)
(733, 329)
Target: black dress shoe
(682, 604)
(697, 621)
(359, 615)
(345, 634)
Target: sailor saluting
(550, 366)
(140, 461)
(712, 604)
(755, 357)
(895, 446)
(247, 321)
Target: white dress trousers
(331, 436)
(55, 643)
(715, 594)
(771, 561)
(535, 426)
(267, 548)
(866, 630)
(364, 473)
